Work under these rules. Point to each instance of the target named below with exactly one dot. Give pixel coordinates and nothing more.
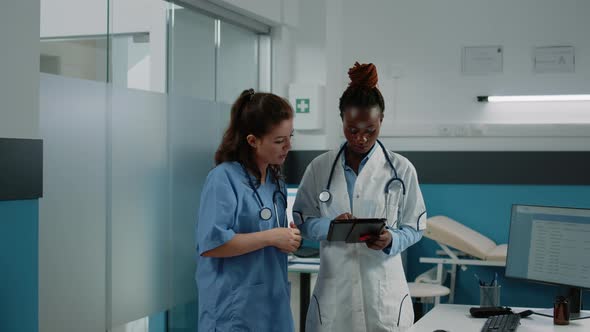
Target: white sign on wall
(306, 100)
(554, 59)
(482, 59)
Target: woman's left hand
(381, 242)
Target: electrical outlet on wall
(465, 130)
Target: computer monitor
(550, 245)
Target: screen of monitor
(550, 244)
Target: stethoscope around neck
(265, 213)
(325, 196)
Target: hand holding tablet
(355, 230)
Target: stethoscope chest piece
(325, 196)
(265, 214)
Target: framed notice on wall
(554, 59)
(482, 59)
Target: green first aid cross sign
(302, 105)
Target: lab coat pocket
(322, 306)
(393, 308)
(314, 311)
(406, 312)
(383, 306)
(317, 316)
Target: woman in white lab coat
(361, 287)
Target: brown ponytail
(251, 114)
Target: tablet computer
(355, 230)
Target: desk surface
(304, 265)
(304, 268)
(456, 318)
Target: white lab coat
(360, 289)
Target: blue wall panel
(19, 235)
(486, 209)
(157, 322)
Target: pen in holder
(489, 296)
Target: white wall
(131, 62)
(85, 59)
(61, 18)
(19, 69)
(128, 16)
(417, 49)
(299, 57)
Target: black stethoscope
(265, 213)
(325, 195)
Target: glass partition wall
(133, 105)
(161, 48)
(228, 56)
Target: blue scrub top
(250, 292)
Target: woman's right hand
(344, 216)
(286, 240)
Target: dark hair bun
(363, 76)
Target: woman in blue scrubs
(242, 233)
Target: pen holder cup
(489, 296)
(561, 311)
